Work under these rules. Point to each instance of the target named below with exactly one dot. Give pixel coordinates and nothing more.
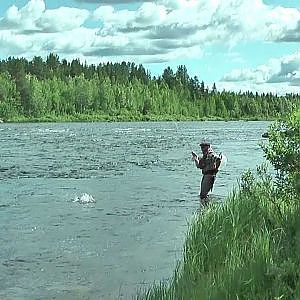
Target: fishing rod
(184, 139)
(223, 158)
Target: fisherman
(209, 164)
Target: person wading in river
(209, 164)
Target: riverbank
(247, 248)
(124, 118)
(244, 248)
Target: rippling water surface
(100, 210)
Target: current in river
(101, 210)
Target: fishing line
(221, 155)
(182, 137)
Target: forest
(56, 89)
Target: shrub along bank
(249, 247)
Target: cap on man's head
(204, 144)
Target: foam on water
(50, 130)
(223, 162)
(84, 199)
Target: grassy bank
(93, 117)
(249, 247)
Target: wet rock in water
(265, 135)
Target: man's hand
(194, 156)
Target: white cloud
(288, 71)
(66, 43)
(281, 21)
(274, 88)
(164, 25)
(25, 17)
(34, 17)
(32, 28)
(148, 14)
(62, 19)
(110, 17)
(284, 69)
(279, 75)
(190, 22)
(156, 31)
(259, 75)
(11, 44)
(13, 16)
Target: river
(100, 210)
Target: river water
(100, 210)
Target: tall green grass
(247, 248)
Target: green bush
(249, 247)
(283, 151)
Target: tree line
(58, 88)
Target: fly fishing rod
(223, 158)
(184, 139)
(181, 134)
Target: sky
(237, 44)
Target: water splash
(223, 161)
(84, 199)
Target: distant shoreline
(120, 118)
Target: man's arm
(217, 162)
(198, 160)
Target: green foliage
(9, 98)
(248, 247)
(60, 88)
(283, 151)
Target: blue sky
(239, 45)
